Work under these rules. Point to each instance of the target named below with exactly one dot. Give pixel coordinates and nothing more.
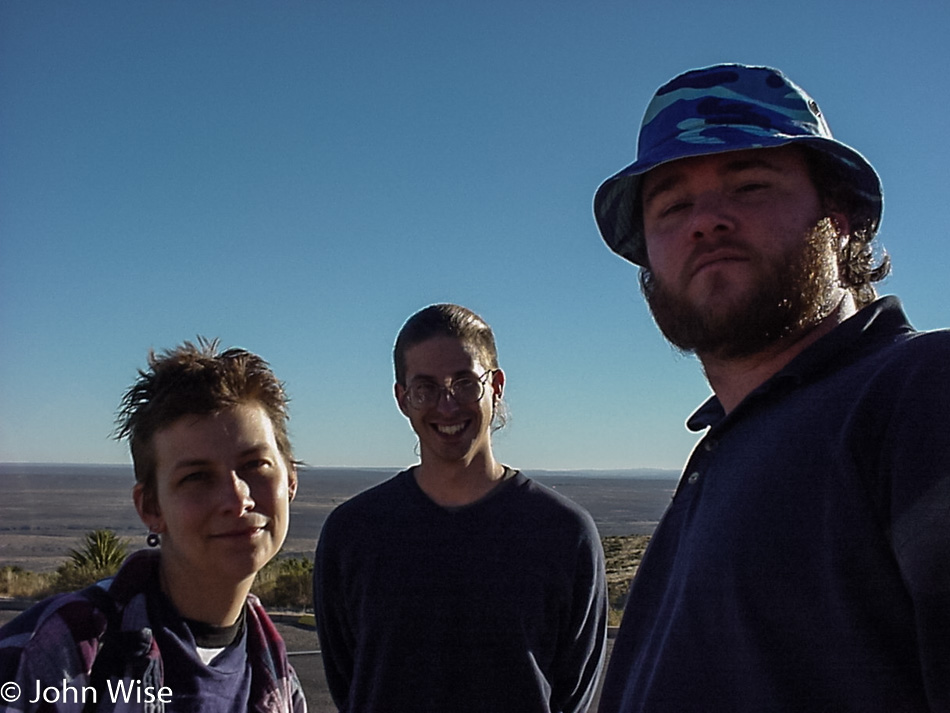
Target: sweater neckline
(509, 477)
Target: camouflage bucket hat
(728, 107)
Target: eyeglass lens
(464, 391)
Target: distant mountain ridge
(123, 468)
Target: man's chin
(724, 326)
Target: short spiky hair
(196, 379)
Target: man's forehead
(460, 374)
(776, 157)
(666, 175)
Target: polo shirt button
(693, 477)
(710, 445)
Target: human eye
(749, 187)
(258, 468)
(423, 392)
(674, 207)
(668, 203)
(753, 178)
(255, 464)
(193, 477)
(466, 388)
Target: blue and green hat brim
(617, 207)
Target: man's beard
(790, 297)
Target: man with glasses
(459, 584)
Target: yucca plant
(102, 553)
(103, 549)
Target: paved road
(302, 648)
(309, 665)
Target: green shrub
(101, 555)
(285, 584)
(69, 577)
(20, 583)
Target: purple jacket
(58, 641)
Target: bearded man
(804, 562)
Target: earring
(153, 540)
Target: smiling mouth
(451, 429)
(242, 533)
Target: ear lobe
(292, 484)
(498, 384)
(399, 391)
(840, 223)
(149, 512)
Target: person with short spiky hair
(177, 626)
(804, 562)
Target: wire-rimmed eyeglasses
(464, 391)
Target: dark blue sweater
(495, 607)
(804, 563)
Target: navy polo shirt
(804, 562)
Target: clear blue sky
(299, 177)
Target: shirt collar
(880, 320)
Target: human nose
(711, 216)
(447, 399)
(237, 494)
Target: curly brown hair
(858, 267)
